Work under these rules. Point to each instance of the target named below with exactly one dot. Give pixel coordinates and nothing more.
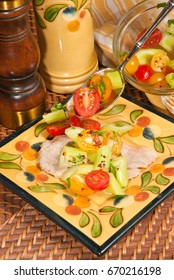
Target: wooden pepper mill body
(22, 90)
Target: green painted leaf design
(52, 12)
(96, 229)
(145, 178)
(84, 221)
(117, 218)
(8, 157)
(40, 20)
(153, 189)
(10, 165)
(161, 180)
(117, 109)
(40, 189)
(83, 3)
(38, 2)
(75, 2)
(168, 139)
(135, 114)
(107, 209)
(122, 123)
(54, 186)
(39, 128)
(158, 145)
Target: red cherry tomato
(97, 180)
(57, 128)
(86, 101)
(153, 39)
(84, 123)
(168, 70)
(143, 73)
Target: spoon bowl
(115, 94)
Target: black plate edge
(128, 226)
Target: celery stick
(114, 186)
(119, 169)
(115, 78)
(54, 116)
(73, 132)
(70, 156)
(103, 157)
(81, 169)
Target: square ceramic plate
(105, 219)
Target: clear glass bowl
(138, 18)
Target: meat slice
(138, 156)
(49, 155)
(133, 172)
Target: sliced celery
(115, 78)
(119, 169)
(81, 169)
(72, 132)
(70, 156)
(103, 157)
(54, 116)
(114, 186)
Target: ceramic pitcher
(66, 41)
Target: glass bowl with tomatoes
(151, 69)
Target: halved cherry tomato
(84, 123)
(97, 180)
(153, 39)
(103, 85)
(143, 73)
(86, 101)
(57, 128)
(159, 62)
(89, 141)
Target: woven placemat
(27, 234)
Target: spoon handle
(167, 8)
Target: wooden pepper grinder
(22, 90)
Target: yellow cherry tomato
(89, 141)
(78, 186)
(159, 62)
(113, 140)
(156, 77)
(132, 65)
(103, 85)
(161, 84)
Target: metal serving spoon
(167, 8)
